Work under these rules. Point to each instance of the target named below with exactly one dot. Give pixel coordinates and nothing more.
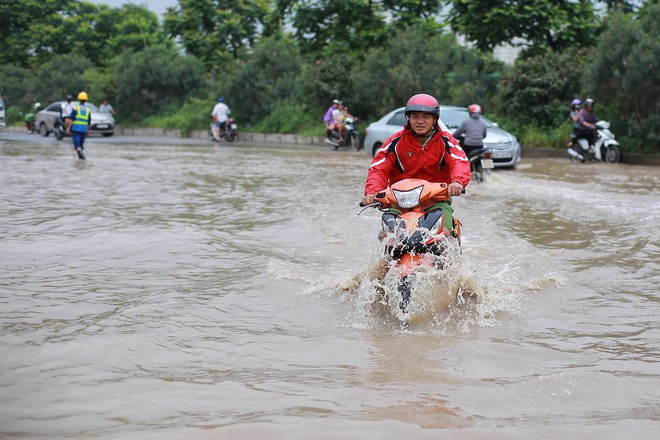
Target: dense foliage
(279, 63)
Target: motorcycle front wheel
(612, 154)
(230, 135)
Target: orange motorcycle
(413, 232)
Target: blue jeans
(78, 139)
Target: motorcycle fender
(410, 263)
(609, 142)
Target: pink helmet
(474, 108)
(423, 103)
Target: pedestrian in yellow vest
(82, 118)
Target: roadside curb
(296, 141)
(288, 140)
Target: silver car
(504, 145)
(102, 123)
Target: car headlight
(408, 199)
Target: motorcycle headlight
(408, 199)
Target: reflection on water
(193, 291)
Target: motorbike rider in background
(331, 122)
(574, 115)
(576, 109)
(423, 151)
(346, 115)
(65, 112)
(473, 129)
(586, 128)
(220, 115)
(29, 117)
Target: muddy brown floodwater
(169, 292)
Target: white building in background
(506, 53)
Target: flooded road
(170, 292)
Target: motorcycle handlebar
(362, 205)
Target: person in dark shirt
(587, 123)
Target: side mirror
(496, 124)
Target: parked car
(102, 123)
(505, 146)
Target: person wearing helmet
(333, 120)
(574, 115)
(29, 117)
(421, 150)
(586, 128)
(220, 115)
(65, 113)
(81, 117)
(576, 109)
(472, 130)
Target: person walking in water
(81, 117)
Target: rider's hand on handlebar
(455, 189)
(368, 199)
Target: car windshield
(454, 117)
(399, 119)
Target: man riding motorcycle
(587, 123)
(473, 129)
(421, 150)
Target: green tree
(15, 82)
(131, 27)
(60, 76)
(539, 25)
(262, 79)
(623, 75)
(156, 79)
(540, 88)
(215, 30)
(34, 31)
(417, 60)
(17, 19)
(328, 78)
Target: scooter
(351, 136)
(59, 130)
(413, 233)
(229, 133)
(606, 147)
(480, 160)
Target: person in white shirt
(65, 111)
(107, 108)
(220, 116)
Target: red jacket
(402, 157)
